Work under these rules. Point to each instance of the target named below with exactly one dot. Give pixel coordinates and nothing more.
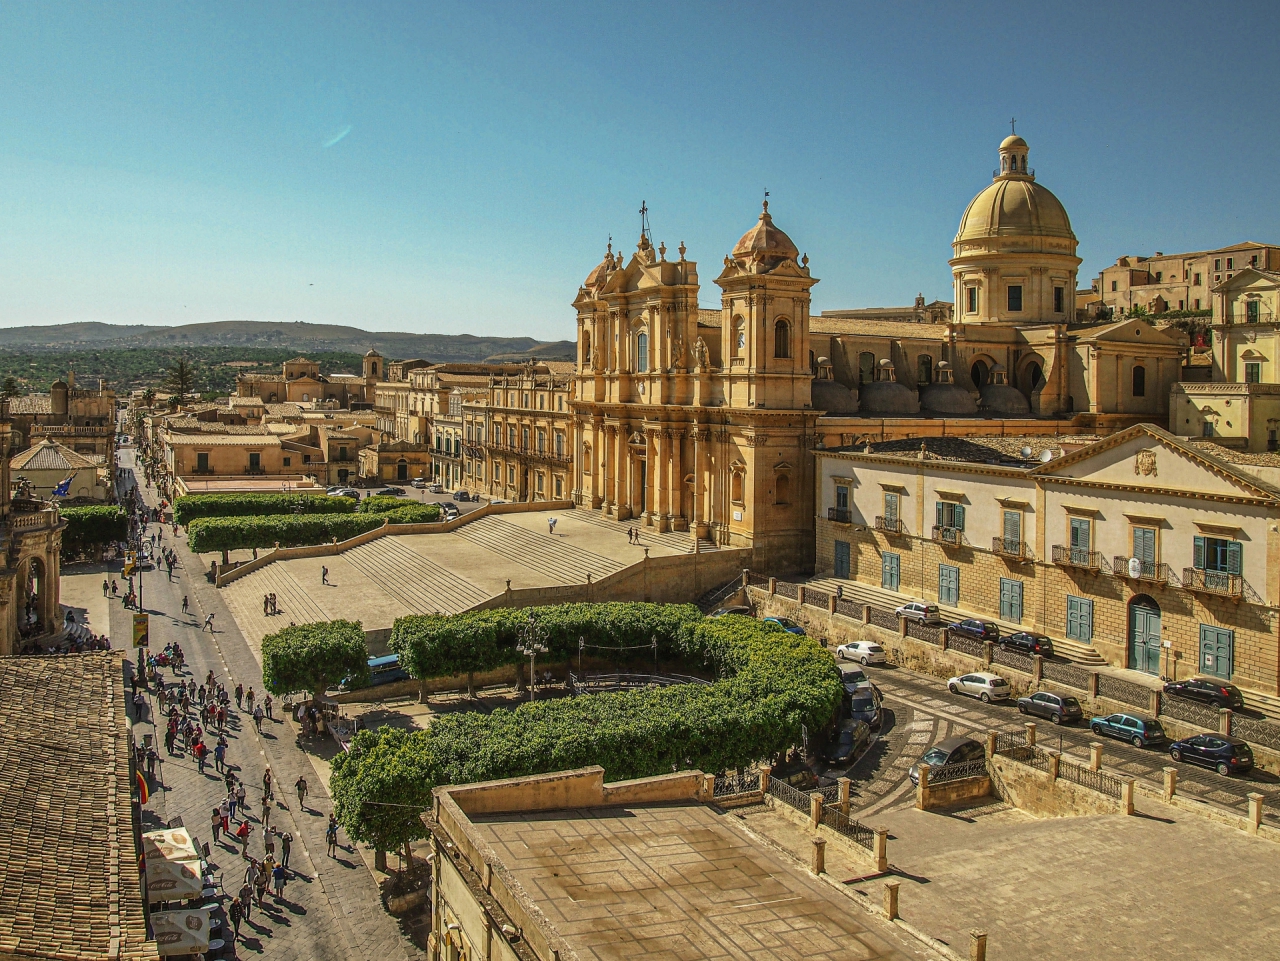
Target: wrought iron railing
(1077, 557)
(1090, 779)
(1011, 547)
(785, 793)
(1068, 674)
(890, 525)
(589, 683)
(1015, 659)
(1212, 582)
(957, 772)
(813, 598)
(1027, 754)
(1136, 569)
(1126, 692)
(840, 515)
(757, 580)
(949, 537)
(731, 785)
(1257, 730)
(854, 830)
(1008, 740)
(882, 618)
(1191, 712)
(848, 608)
(923, 632)
(965, 644)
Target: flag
(143, 794)
(63, 489)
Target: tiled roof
(69, 887)
(1241, 457)
(244, 402)
(49, 455)
(979, 450)
(284, 410)
(902, 330)
(31, 404)
(221, 440)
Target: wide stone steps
(415, 581)
(679, 541)
(540, 552)
(293, 601)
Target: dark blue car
(1225, 754)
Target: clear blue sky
(458, 167)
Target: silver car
(982, 685)
(920, 611)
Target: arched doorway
(1144, 634)
(978, 374)
(402, 469)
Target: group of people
(633, 535)
(269, 605)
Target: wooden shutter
(1012, 526)
(1197, 560)
(959, 517)
(1235, 559)
(940, 521)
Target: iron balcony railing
(1212, 582)
(1136, 569)
(1077, 557)
(1010, 547)
(840, 515)
(890, 525)
(949, 536)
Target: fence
(1020, 662)
(1093, 780)
(788, 590)
(1262, 732)
(1029, 755)
(956, 772)
(1008, 740)
(1189, 711)
(1126, 692)
(1068, 674)
(855, 831)
(849, 609)
(757, 580)
(731, 785)
(922, 632)
(785, 793)
(966, 645)
(813, 598)
(626, 682)
(886, 619)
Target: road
(921, 711)
(331, 907)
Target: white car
(920, 611)
(435, 488)
(864, 652)
(982, 685)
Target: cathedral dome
(765, 242)
(830, 395)
(886, 396)
(944, 396)
(601, 271)
(1000, 397)
(1014, 204)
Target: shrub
(89, 528)
(224, 534)
(192, 506)
(381, 504)
(771, 683)
(314, 657)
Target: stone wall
(1037, 792)
(951, 793)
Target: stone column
(1031, 733)
(891, 899)
(1170, 783)
(815, 809)
(610, 440)
(881, 850)
(1224, 721)
(818, 861)
(1095, 756)
(1126, 796)
(1255, 812)
(844, 783)
(922, 786)
(977, 945)
(679, 517)
(658, 477)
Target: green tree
(314, 657)
(10, 388)
(181, 380)
(89, 528)
(148, 396)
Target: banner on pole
(141, 627)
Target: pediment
(1147, 457)
(1135, 331)
(1250, 278)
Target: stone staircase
(418, 582)
(548, 555)
(679, 542)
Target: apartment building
(529, 435)
(1166, 282)
(1158, 554)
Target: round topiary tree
(314, 657)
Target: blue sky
(458, 167)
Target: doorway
(842, 560)
(1215, 651)
(1144, 635)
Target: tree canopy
(314, 657)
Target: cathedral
(705, 420)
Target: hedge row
(188, 508)
(771, 683)
(89, 528)
(296, 530)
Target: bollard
(1031, 733)
(844, 784)
(1126, 796)
(1037, 669)
(922, 786)
(819, 863)
(977, 946)
(881, 850)
(1095, 756)
(1224, 721)
(1255, 812)
(746, 577)
(891, 899)
(708, 787)
(991, 744)
(1055, 759)
(1153, 703)
(815, 809)
(1170, 783)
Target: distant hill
(297, 337)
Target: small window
(559, 488)
(1207, 429)
(1059, 294)
(1197, 299)
(1218, 555)
(1251, 311)
(1015, 298)
(642, 352)
(924, 370)
(1197, 283)
(1159, 276)
(782, 339)
(288, 461)
(1231, 263)
(972, 303)
(1113, 286)
(202, 462)
(1253, 261)
(255, 460)
(1217, 264)
(842, 497)
(891, 508)
(735, 487)
(1139, 381)
(950, 515)
(1253, 372)
(866, 367)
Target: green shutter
(939, 507)
(1197, 560)
(959, 517)
(1235, 561)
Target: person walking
(240, 796)
(106, 587)
(266, 812)
(266, 605)
(258, 715)
(274, 607)
(324, 575)
(186, 605)
(234, 915)
(245, 898)
(266, 783)
(260, 889)
(277, 879)
(331, 836)
(220, 755)
(208, 622)
(215, 824)
(224, 812)
(239, 695)
(286, 844)
(232, 802)
(551, 525)
(301, 787)
(152, 757)
(115, 588)
(266, 702)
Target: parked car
(849, 744)
(419, 482)
(732, 609)
(954, 750)
(345, 492)
(920, 611)
(983, 685)
(391, 491)
(1059, 708)
(435, 488)
(865, 652)
(1207, 690)
(972, 627)
(1028, 642)
(786, 623)
(449, 511)
(865, 704)
(461, 496)
(1138, 731)
(854, 679)
(1225, 754)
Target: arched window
(782, 490)
(586, 349)
(866, 367)
(642, 352)
(1139, 381)
(924, 370)
(782, 339)
(735, 487)
(978, 374)
(739, 337)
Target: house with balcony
(1151, 552)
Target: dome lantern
(1013, 159)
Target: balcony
(1216, 583)
(1077, 557)
(892, 526)
(840, 515)
(1011, 547)
(1135, 569)
(949, 537)
(254, 470)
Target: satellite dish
(1135, 567)
(1046, 455)
(1025, 452)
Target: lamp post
(532, 644)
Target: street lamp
(532, 644)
